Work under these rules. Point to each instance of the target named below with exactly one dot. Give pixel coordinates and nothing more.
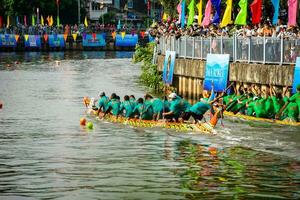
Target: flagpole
(57, 11)
(78, 11)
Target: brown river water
(45, 154)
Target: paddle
(278, 115)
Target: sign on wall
(169, 65)
(216, 71)
(296, 75)
(33, 41)
(128, 40)
(94, 40)
(7, 40)
(56, 40)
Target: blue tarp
(33, 41)
(8, 40)
(89, 41)
(128, 41)
(56, 41)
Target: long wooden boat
(201, 128)
(263, 120)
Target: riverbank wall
(189, 75)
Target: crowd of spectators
(172, 28)
(39, 29)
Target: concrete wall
(189, 75)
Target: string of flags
(213, 8)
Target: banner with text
(56, 41)
(7, 40)
(169, 65)
(33, 41)
(128, 40)
(296, 75)
(216, 71)
(94, 40)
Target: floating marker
(82, 121)
(90, 125)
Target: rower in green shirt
(143, 111)
(126, 107)
(114, 105)
(103, 101)
(296, 97)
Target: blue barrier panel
(169, 64)
(7, 40)
(129, 40)
(216, 71)
(296, 75)
(98, 41)
(56, 41)
(33, 41)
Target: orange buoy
(86, 101)
(82, 121)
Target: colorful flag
(191, 8)
(58, 21)
(241, 18)
(217, 6)
(206, 20)
(227, 14)
(25, 20)
(149, 7)
(32, 20)
(276, 11)
(165, 17)
(51, 20)
(46, 37)
(200, 14)
(17, 38)
(182, 14)
(123, 34)
(42, 20)
(7, 22)
(113, 34)
(293, 4)
(26, 37)
(1, 21)
(86, 22)
(256, 11)
(179, 6)
(74, 35)
(65, 36)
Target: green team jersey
(145, 112)
(127, 107)
(277, 104)
(159, 106)
(296, 99)
(227, 99)
(200, 108)
(292, 111)
(269, 107)
(179, 105)
(114, 105)
(103, 102)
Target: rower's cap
(102, 94)
(173, 95)
(255, 98)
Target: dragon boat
(261, 120)
(200, 128)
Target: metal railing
(241, 49)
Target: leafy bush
(150, 76)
